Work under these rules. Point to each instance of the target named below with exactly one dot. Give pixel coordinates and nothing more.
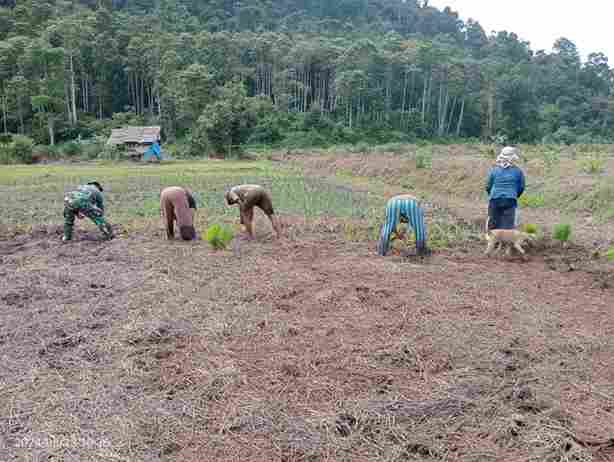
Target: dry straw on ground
(307, 349)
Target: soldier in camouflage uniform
(86, 201)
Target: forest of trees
(265, 71)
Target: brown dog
(507, 236)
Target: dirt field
(306, 349)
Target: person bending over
(85, 201)
(178, 205)
(403, 208)
(248, 196)
(505, 184)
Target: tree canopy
(343, 70)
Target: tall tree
(47, 63)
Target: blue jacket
(505, 183)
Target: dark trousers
(501, 214)
(93, 214)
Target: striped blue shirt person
(403, 208)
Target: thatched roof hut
(134, 137)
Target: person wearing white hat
(505, 184)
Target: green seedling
(218, 236)
(561, 232)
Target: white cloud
(588, 23)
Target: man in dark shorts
(249, 196)
(505, 184)
(178, 205)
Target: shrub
(393, 148)
(218, 236)
(23, 148)
(551, 157)
(180, 149)
(529, 228)
(266, 131)
(361, 148)
(424, 157)
(228, 122)
(592, 142)
(564, 135)
(599, 199)
(92, 151)
(20, 150)
(317, 120)
(124, 119)
(592, 165)
(44, 152)
(302, 139)
(72, 149)
(610, 254)
(5, 157)
(500, 138)
(80, 131)
(561, 232)
(488, 150)
(583, 147)
(197, 143)
(443, 234)
(343, 134)
(532, 200)
(111, 153)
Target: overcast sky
(587, 23)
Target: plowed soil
(308, 348)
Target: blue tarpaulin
(153, 151)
